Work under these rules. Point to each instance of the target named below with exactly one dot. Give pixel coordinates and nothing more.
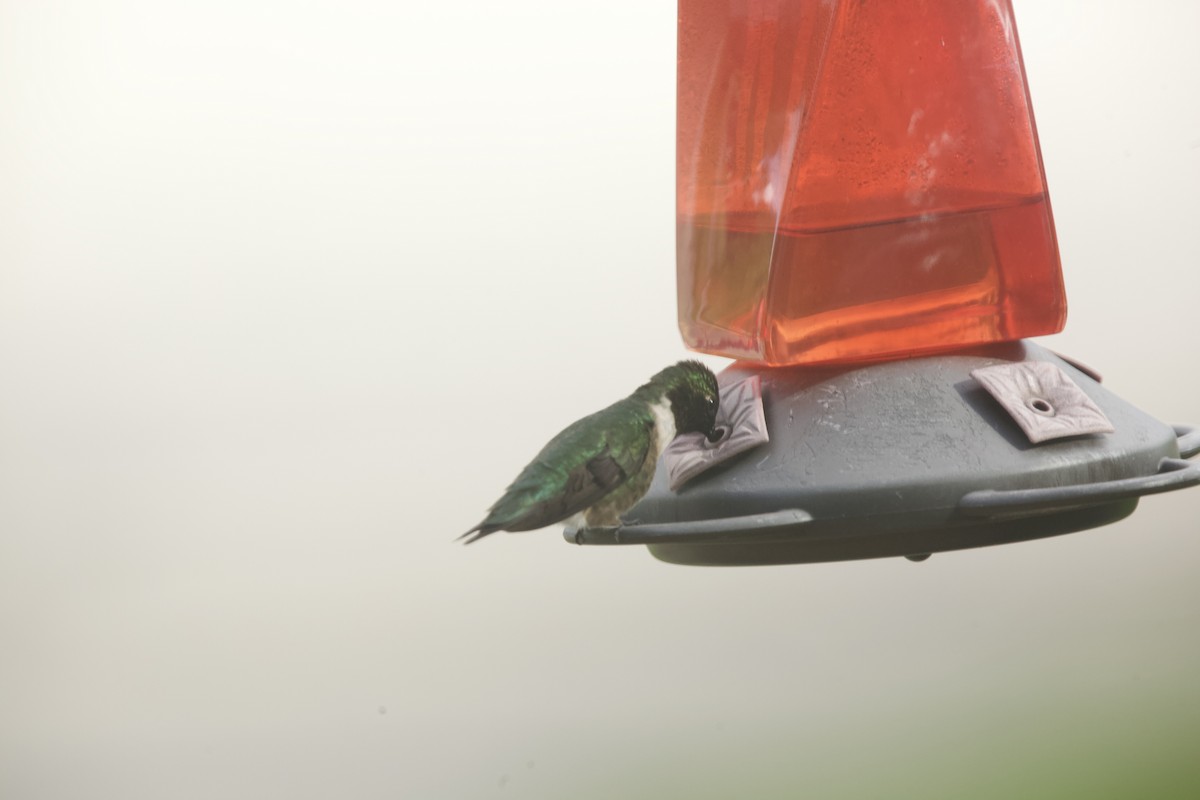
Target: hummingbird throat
(664, 424)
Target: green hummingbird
(599, 466)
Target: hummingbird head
(692, 391)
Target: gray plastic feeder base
(904, 458)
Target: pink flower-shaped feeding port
(1043, 400)
(740, 426)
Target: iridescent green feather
(558, 482)
(610, 454)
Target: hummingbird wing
(581, 465)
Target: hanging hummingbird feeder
(863, 221)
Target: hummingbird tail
(476, 533)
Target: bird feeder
(863, 220)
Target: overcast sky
(290, 291)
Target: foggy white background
(290, 291)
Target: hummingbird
(599, 466)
